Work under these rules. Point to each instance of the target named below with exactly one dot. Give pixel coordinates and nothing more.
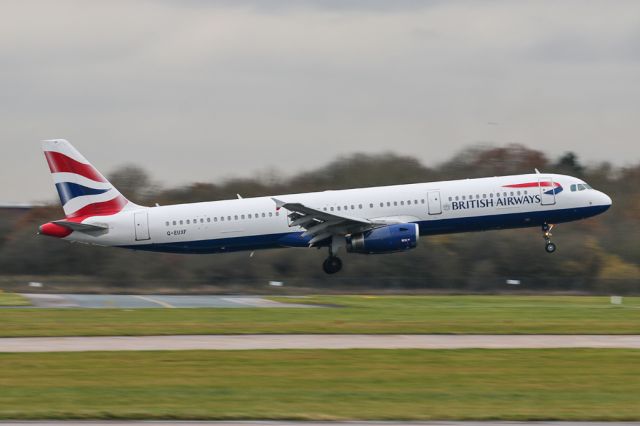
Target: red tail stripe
(104, 208)
(60, 163)
(529, 185)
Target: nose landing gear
(546, 233)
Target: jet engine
(386, 239)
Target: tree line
(599, 255)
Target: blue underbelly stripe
(427, 227)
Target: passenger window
(360, 206)
(370, 205)
(353, 207)
(388, 203)
(484, 195)
(381, 204)
(174, 223)
(408, 202)
(330, 208)
(188, 222)
(270, 214)
(201, 220)
(209, 220)
(249, 216)
(346, 208)
(422, 201)
(264, 215)
(518, 192)
(167, 223)
(215, 219)
(338, 208)
(402, 203)
(221, 218)
(277, 213)
(464, 197)
(395, 203)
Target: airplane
(373, 220)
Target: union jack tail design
(82, 189)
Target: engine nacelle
(387, 239)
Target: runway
(307, 423)
(312, 341)
(132, 301)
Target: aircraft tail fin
(83, 190)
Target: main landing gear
(332, 264)
(546, 233)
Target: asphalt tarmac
(312, 341)
(128, 301)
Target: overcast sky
(205, 90)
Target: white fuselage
(437, 207)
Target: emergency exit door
(141, 220)
(434, 202)
(547, 191)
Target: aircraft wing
(321, 225)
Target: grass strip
(549, 384)
(12, 299)
(350, 315)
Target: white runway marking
(312, 341)
(156, 301)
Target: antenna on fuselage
(537, 171)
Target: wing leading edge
(321, 225)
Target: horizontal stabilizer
(81, 227)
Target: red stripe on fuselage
(60, 163)
(106, 208)
(529, 185)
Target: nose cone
(605, 200)
(602, 201)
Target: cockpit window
(580, 187)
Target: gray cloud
(195, 90)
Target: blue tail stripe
(68, 191)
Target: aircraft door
(547, 191)
(141, 223)
(434, 202)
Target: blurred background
(183, 101)
(598, 255)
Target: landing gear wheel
(332, 264)
(546, 234)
